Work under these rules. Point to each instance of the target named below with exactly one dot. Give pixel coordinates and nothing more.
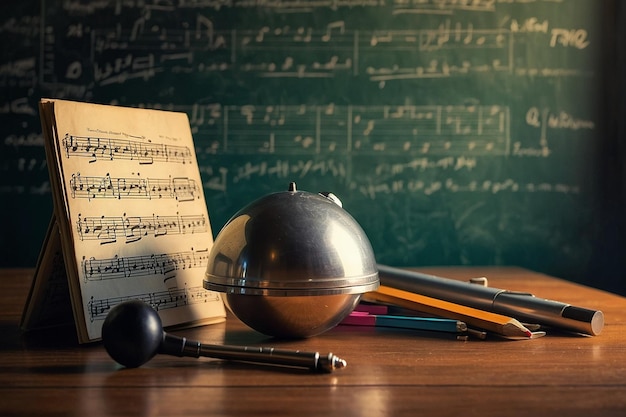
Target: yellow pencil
(497, 323)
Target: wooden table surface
(389, 373)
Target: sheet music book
(130, 219)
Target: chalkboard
(456, 132)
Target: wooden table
(389, 373)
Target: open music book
(130, 219)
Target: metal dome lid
(292, 243)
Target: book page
(135, 216)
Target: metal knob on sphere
(292, 264)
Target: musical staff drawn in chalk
(159, 300)
(363, 129)
(107, 229)
(284, 51)
(165, 264)
(442, 7)
(446, 39)
(181, 188)
(97, 148)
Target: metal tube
(522, 306)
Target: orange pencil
(496, 323)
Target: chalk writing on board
(433, 130)
(145, 49)
(428, 108)
(451, 185)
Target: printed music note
(159, 300)
(101, 148)
(134, 228)
(180, 189)
(132, 205)
(117, 267)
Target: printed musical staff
(138, 226)
(181, 189)
(159, 300)
(165, 264)
(107, 229)
(97, 148)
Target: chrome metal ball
(292, 264)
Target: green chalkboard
(456, 132)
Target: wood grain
(389, 373)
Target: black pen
(522, 306)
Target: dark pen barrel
(521, 306)
(549, 312)
(447, 289)
(262, 355)
(181, 346)
(267, 355)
